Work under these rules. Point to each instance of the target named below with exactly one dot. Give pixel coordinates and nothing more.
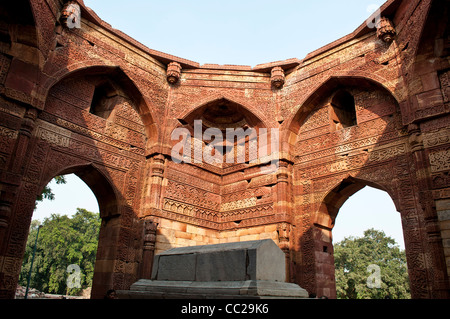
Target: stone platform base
(249, 289)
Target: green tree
(371, 267)
(47, 193)
(63, 241)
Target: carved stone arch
(331, 165)
(141, 103)
(325, 90)
(69, 70)
(223, 112)
(330, 204)
(249, 110)
(50, 162)
(338, 81)
(98, 181)
(322, 223)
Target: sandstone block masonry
(250, 260)
(252, 269)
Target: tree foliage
(47, 192)
(62, 241)
(371, 267)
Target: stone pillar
(23, 139)
(436, 266)
(284, 230)
(282, 208)
(155, 167)
(283, 192)
(12, 177)
(148, 249)
(10, 258)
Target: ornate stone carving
(243, 203)
(71, 15)
(173, 72)
(277, 78)
(440, 161)
(284, 230)
(385, 30)
(150, 235)
(444, 79)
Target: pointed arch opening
(99, 184)
(338, 105)
(93, 263)
(100, 91)
(224, 131)
(378, 213)
(62, 242)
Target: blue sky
(242, 32)
(245, 32)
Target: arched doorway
(69, 196)
(369, 249)
(97, 182)
(325, 222)
(73, 137)
(62, 243)
(368, 208)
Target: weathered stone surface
(249, 289)
(253, 269)
(240, 261)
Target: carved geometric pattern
(440, 161)
(444, 78)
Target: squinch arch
(246, 107)
(326, 89)
(92, 68)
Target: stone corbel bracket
(385, 30)
(173, 72)
(71, 15)
(277, 78)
